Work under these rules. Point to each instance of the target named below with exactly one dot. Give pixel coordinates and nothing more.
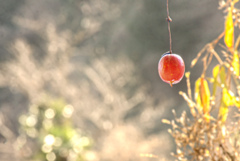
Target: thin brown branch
(187, 75)
(169, 29)
(216, 56)
(191, 104)
(210, 45)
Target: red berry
(171, 68)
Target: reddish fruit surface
(171, 68)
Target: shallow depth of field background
(101, 57)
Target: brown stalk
(169, 29)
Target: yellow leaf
(202, 96)
(237, 102)
(227, 100)
(215, 82)
(235, 62)
(235, 1)
(228, 97)
(215, 71)
(205, 96)
(222, 74)
(229, 30)
(223, 112)
(197, 92)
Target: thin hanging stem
(169, 30)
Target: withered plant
(209, 132)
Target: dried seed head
(169, 131)
(165, 121)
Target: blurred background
(100, 57)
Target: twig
(169, 30)
(210, 46)
(227, 153)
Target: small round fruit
(171, 68)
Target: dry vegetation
(212, 132)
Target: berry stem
(169, 30)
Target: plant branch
(169, 30)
